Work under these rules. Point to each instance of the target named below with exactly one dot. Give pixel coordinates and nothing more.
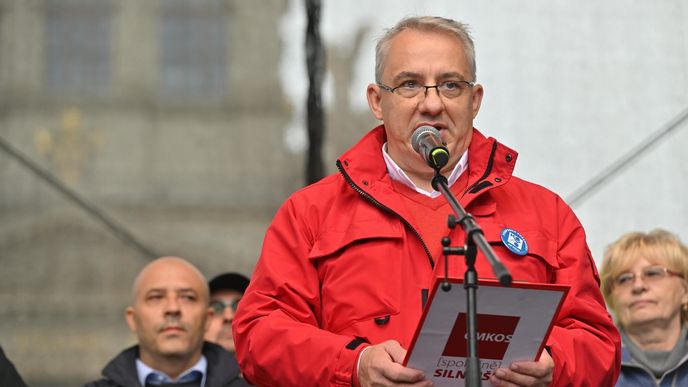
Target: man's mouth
(173, 328)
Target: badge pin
(514, 241)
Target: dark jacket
(9, 377)
(223, 370)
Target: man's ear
(374, 100)
(131, 320)
(209, 317)
(477, 98)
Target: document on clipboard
(513, 324)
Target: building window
(78, 46)
(194, 48)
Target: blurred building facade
(165, 116)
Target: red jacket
(341, 260)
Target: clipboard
(513, 324)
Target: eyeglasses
(649, 274)
(410, 89)
(219, 306)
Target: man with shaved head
(169, 314)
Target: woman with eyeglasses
(644, 283)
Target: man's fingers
(531, 368)
(524, 374)
(398, 373)
(508, 378)
(380, 366)
(395, 371)
(395, 350)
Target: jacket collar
(222, 366)
(490, 164)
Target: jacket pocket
(537, 265)
(360, 273)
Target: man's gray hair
(425, 23)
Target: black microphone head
(420, 132)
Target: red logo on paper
(494, 335)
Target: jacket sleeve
(584, 342)
(277, 330)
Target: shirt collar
(143, 370)
(398, 174)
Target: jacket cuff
(354, 375)
(345, 374)
(554, 351)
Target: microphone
(427, 142)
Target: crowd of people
(179, 320)
(347, 263)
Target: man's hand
(380, 365)
(526, 373)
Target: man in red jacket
(339, 287)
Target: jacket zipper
(381, 206)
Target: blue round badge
(514, 241)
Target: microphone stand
(474, 240)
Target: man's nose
(228, 314)
(431, 103)
(172, 305)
